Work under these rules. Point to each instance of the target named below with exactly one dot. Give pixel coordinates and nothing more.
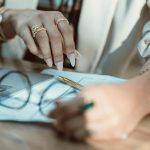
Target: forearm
(139, 88)
(142, 81)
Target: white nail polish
(49, 62)
(71, 57)
(77, 54)
(59, 65)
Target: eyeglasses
(47, 99)
(59, 88)
(5, 95)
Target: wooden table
(29, 136)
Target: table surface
(33, 136)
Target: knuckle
(35, 17)
(40, 15)
(59, 14)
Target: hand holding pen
(71, 118)
(109, 119)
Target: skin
(118, 108)
(49, 45)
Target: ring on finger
(61, 19)
(36, 29)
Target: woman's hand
(117, 110)
(49, 44)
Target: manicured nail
(71, 57)
(49, 62)
(59, 65)
(77, 54)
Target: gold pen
(70, 82)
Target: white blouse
(109, 32)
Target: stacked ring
(61, 19)
(36, 29)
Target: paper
(31, 112)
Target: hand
(117, 110)
(49, 44)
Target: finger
(65, 108)
(57, 111)
(80, 134)
(72, 124)
(71, 128)
(25, 34)
(77, 55)
(42, 41)
(67, 33)
(64, 113)
(56, 44)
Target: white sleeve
(144, 43)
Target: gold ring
(36, 29)
(61, 19)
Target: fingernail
(49, 62)
(71, 57)
(59, 65)
(57, 102)
(77, 54)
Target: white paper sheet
(31, 113)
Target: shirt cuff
(144, 44)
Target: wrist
(140, 87)
(6, 23)
(145, 82)
(8, 14)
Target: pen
(83, 108)
(77, 86)
(70, 82)
(86, 106)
